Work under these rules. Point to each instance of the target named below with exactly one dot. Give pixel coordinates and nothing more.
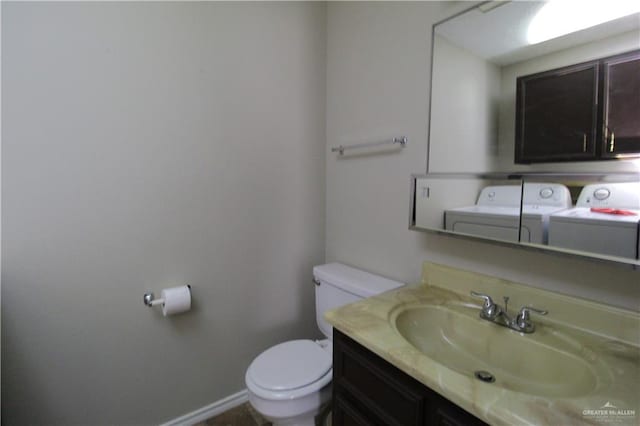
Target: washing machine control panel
(601, 194)
(500, 196)
(615, 195)
(546, 194)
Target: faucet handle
(487, 299)
(523, 321)
(526, 309)
(489, 308)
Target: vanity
(423, 354)
(367, 390)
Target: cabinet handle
(612, 144)
(612, 141)
(584, 142)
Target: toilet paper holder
(150, 300)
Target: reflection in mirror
(476, 206)
(590, 215)
(602, 217)
(478, 57)
(540, 201)
(511, 156)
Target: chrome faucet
(495, 313)
(523, 323)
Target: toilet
(290, 383)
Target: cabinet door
(369, 391)
(346, 413)
(556, 115)
(441, 412)
(385, 395)
(621, 105)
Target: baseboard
(211, 410)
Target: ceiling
(497, 31)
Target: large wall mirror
(534, 132)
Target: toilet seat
(290, 370)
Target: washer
(496, 214)
(582, 229)
(541, 200)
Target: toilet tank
(338, 284)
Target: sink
(582, 360)
(548, 362)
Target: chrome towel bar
(402, 140)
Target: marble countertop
(607, 335)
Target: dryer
(496, 214)
(581, 228)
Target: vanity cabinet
(587, 111)
(368, 390)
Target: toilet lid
(290, 365)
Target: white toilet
(290, 383)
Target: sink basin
(547, 362)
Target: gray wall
(147, 145)
(378, 84)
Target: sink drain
(484, 376)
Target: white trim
(211, 410)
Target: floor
(244, 415)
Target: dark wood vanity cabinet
(588, 111)
(368, 390)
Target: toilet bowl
(290, 383)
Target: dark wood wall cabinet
(583, 112)
(367, 390)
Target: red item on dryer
(613, 211)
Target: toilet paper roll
(176, 300)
